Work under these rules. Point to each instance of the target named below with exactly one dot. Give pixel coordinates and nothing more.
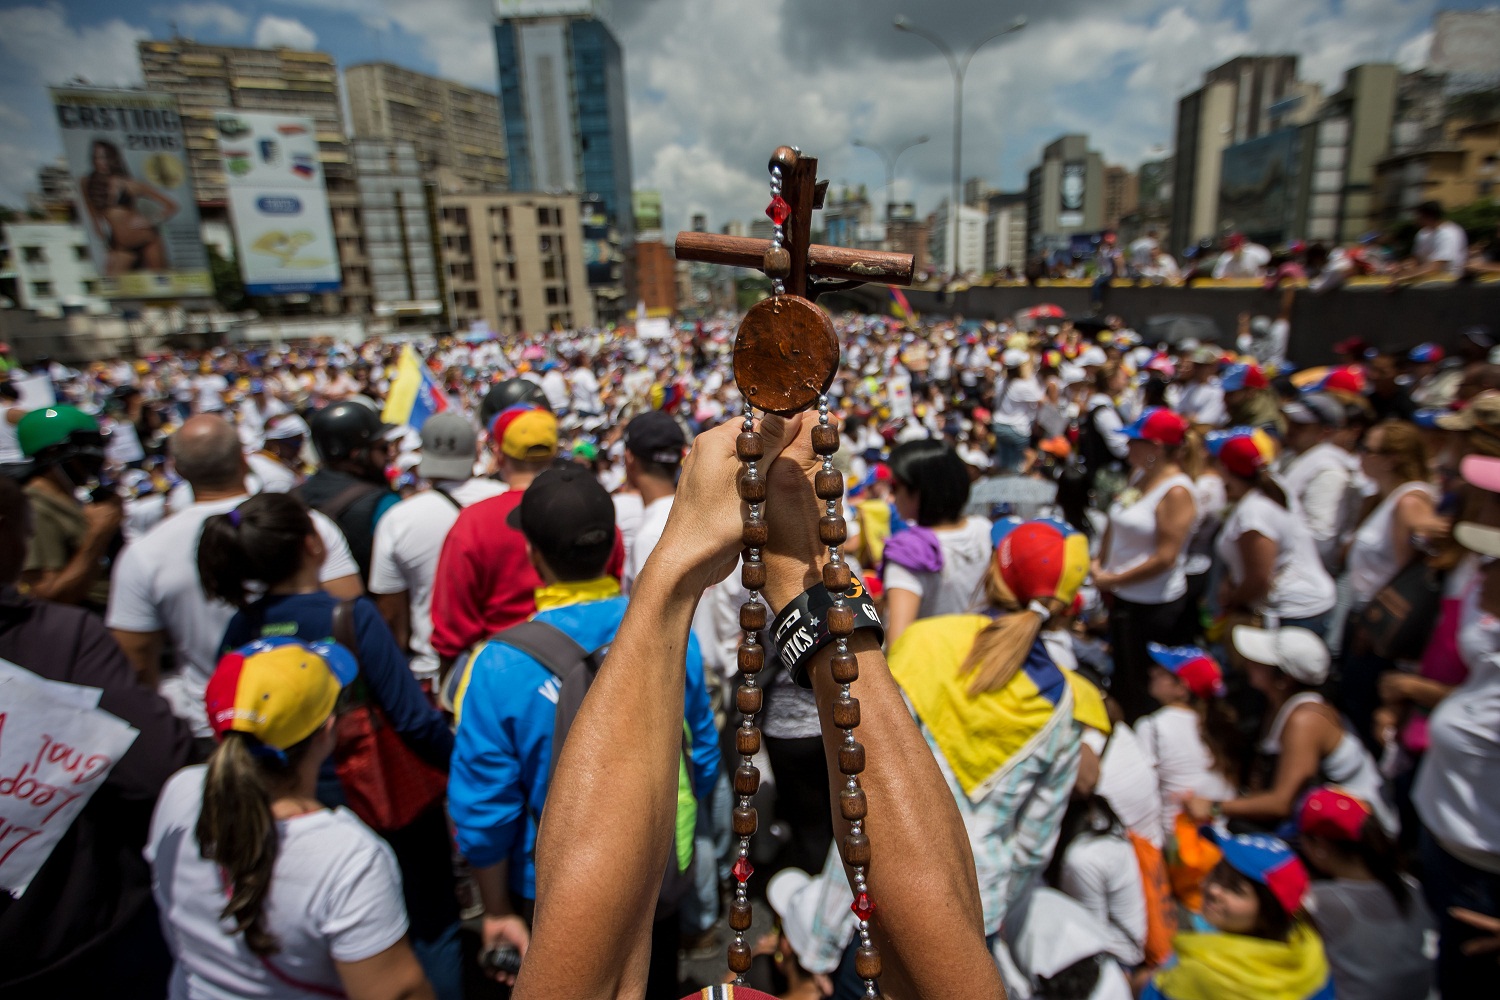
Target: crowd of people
(1186, 685)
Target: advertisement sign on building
(133, 191)
(278, 203)
(1071, 192)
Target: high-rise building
(1121, 193)
(970, 248)
(1064, 194)
(392, 262)
(455, 129)
(52, 269)
(905, 233)
(562, 98)
(1005, 232)
(1466, 48)
(1352, 134)
(208, 79)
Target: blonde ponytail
(1002, 646)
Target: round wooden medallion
(785, 355)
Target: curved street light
(890, 166)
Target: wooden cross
(786, 353)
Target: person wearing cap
(263, 890)
(654, 447)
(1142, 562)
(354, 447)
(1201, 399)
(1269, 561)
(1389, 398)
(1370, 914)
(505, 700)
(813, 926)
(1052, 946)
(1303, 739)
(256, 410)
(277, 464)
(1261, 944)
(1434, 376)
(409, 538)
(1321, 471)
(1192, 741)
(1249, 400)
(1017, 397)
(1241, 259)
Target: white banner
(282, 229)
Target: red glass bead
(743, 869)
(778, 211)
(864, 906)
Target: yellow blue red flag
(900, 308)
(414, 395)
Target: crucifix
(786, 355)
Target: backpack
(1093, 450)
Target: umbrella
(1089, 324)
(1044, 311)
(1173, 329)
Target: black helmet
(341, 429)
(504, 395)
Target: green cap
(586, 450)
(52, 425)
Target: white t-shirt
(1371, 559)
(269, 475)
(10, 441)
(1300, 586)
(210, 391)
(335, 897)
(123, 445)
(1102, 873)
(956, 587)
(585, 389)
(1324, 480)
(1173, 744)
(1127, 781)
(155, 588)
(404, 556)
(628, 513)
(1133, 539)
(1203, 403)
(1016, 402)
(1446, 242)
(653, 523)
(1248, 263)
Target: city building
(760, 229)
(454, 129)
(1064, 194)
(514, 261)
(849, 220)
(646, 207)
(1352, 134)
(1005, 232)
(905, 233)
(53, 198)
(655, 275)
(1121, 193)
(1460, 168)
(388, 255)
(208, 79)
(1153, 210)
(1264, 184)
(50, 269)
(1466, 49)
(971, 243)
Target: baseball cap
(1014, 357)
(1092, 357)
(1349, 378)
(1267, 860)
(1243, 451)
(809, 908)
(1483, 411)
(656, 437)
(1191, 665)
(566, 512)
(1042, 559)
(526, 433)
(1425, 354)
(1159, 424)
(277, 690)
(449, 442)
(1333, 814)
(1242, 375)
(1207, 354)
(1354, 347)
(1314, 408)
(1480, 538)
(1296, 652)
(286, 427)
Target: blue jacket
(502, 753)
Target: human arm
(1308, 736)
(1111, 428)
(383, 667)
(901, 609)
(396, 610)
(53, 575)
(1397, 687)
(394, 974)
(1416, 514)
(1174, 521)
(500, 925)
(388, 584)
(1258, 557)
(143, 650)
(1323, 509)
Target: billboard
(280, 208)
(1071, 192)
(1258, 186)
(133, 191)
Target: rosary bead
(747, 699)
(840, 620)
(785, 157)
(753, 575)
(845, 668)
(752, 487)
(739, 916)
(744, 821)
(777, 263)
(825, 439)
(752, 616)
(832, 530)
(829, 484)
(852, 758)
(749, 447)
(754, 534)
(852, 804)
(846, 712)
(739, 958)
(746, 779)
(752, 658)
(837, 577)
(856, 849)
(747, 741)
(867, 962)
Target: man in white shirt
(409, 538)
(255, 411)
(555, 385)
(276, 466)
(654, 445)
(1241, 258)
(1324, 476)
(1441, 247)
(155, 594)
(1202, 399)
(1017, 397)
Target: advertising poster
(134, 192)
(1070, 198)
(278, 202)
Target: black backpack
(1093, 450)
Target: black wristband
(802, 627)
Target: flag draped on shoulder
(414, 394)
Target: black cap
(504, 395)
(655, 437)
(566, 512)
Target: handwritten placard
(56, 748)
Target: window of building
(34, 255)
(41, 289)
(90, 287)
(553, 296)
(545, 244)
(544, 216)
(81, 253)
(549, 269)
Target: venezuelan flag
(900, 308)
(414, 395)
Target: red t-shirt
(484, 580)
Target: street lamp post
(890, 166)
(959, 68)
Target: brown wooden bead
(856, 849)
(828, 484)
(749, 447)
(785, 157)
(825, 439)
(744, 821)
(785, 354)
(837, 577)
(739, 957)
(852, 804)
(777, 263)
(747, 741)
(840, 620)
(845, 668)
(746, 779)
(752, 658)
(739, 916)
(747, 699)
(754, 534)
(752, 616)
(832, 530)
(752, 487)
(852, 759)
(867, 962)
(846, 712)
(753, 575)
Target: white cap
(1092, 357)
(286, 427)
(815, 916)
(1014, 358)
(1296, 652)
(1478, 538)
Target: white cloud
(284, 32)
(224, 21)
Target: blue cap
(1427, 418)
(256, 385)
(1424, 354)
(1267, 860)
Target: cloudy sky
(715, 85)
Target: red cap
(1242, 456)
(1040, 560)
(1333, 814)
(1349, 379)
(1158, 424)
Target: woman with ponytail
(263, 891)
(1193, 739)
(1002, 718)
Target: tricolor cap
(277, 690)
(1348, 379)
(1242, 375)
(1191, 665)
(1158, 424)
(1425, 354)
(1266, 860)
(1333, 814)
(1042, 559)
(526, 433)
(1243, 451)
